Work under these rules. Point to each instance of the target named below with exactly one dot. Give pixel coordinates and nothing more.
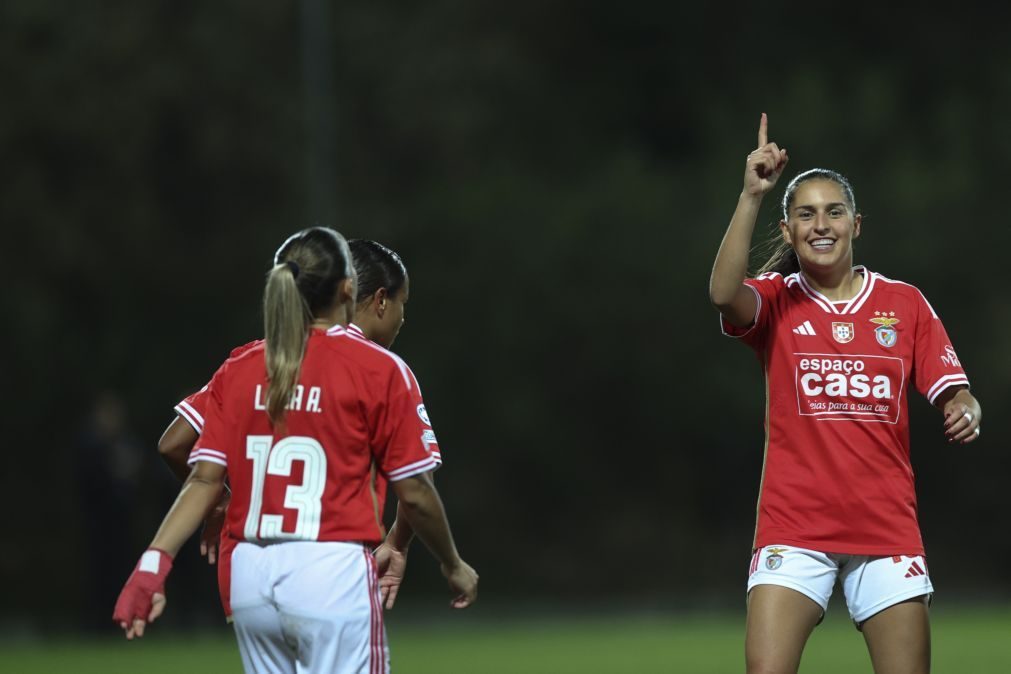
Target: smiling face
(821, 225)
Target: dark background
(557, 177)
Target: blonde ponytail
(286, 321)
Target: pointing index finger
(763, 131)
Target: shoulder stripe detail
(412, 469)
(205, 454)
(945, 382)
(360, 337)
(190, 415)
(404, 370)
(910, 285)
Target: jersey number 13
(305, 498)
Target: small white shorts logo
(423, 413)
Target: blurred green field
(966, 641)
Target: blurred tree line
(557, 177)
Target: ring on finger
(968, 416)
(976, 431)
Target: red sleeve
(402, 437)
(935, 364)
(765, 287)
(193, 409)
(210, 446)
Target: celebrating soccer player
(840, 346)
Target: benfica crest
(775, 558)
(843, 332)
(885, 333)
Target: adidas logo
(915, 570)
(805, 328)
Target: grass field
(965, 641)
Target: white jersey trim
(828, 306)
(947, 381)
(190, 415)
(412, 469)
(354, 331)
(210, 455)
(909, 285)
(797, 279)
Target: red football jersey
(193, 407)
(356, 420)
(837, 476)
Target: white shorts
(308, 607)
(870, 584)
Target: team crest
(775, 558)
(843, 332)
(885, 333)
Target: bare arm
(727, 291)
(401, 534)
(199, 494)
(422, 509)
(175, 446)
(962, 414)
(391, 558)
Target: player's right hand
(391, 564)
(765, 164)
(211, 534)
(463, 582)
(142, 599)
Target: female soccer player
(379, 314)
(840, 346)
(302, 424)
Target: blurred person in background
(109, 465)
(383, 287)
(313, 397)
(840, 346)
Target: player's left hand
(962, 416)
(142, 599)
(391, 565)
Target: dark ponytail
(377, 267)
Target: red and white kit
(837, 476)
(194, 408)
(356, 421)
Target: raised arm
(422, 508)
(726, 285)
